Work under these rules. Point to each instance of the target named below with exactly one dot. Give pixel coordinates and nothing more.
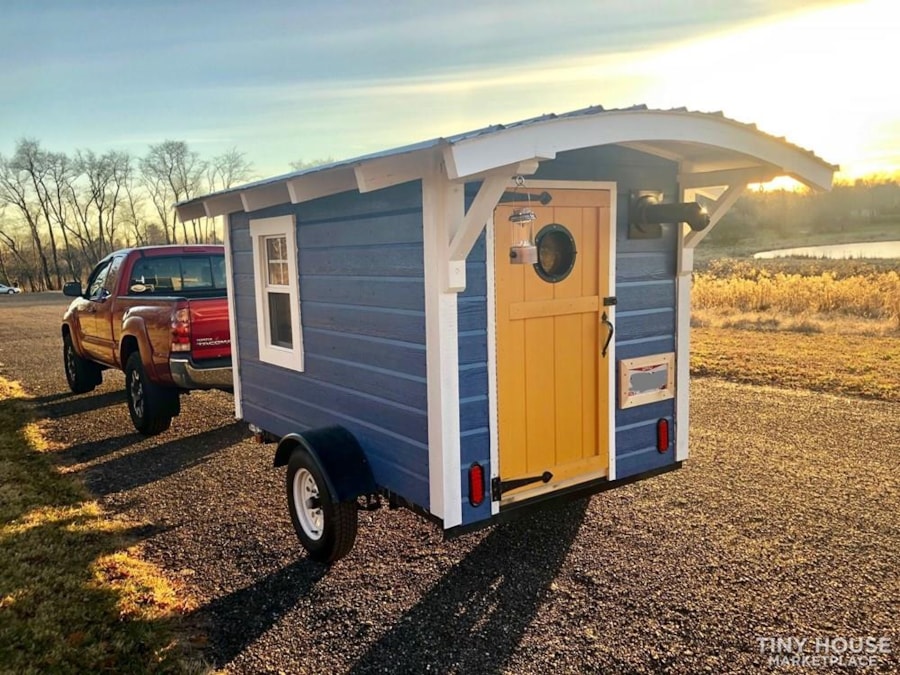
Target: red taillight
(181, 330)
(476, 484)
(662, 435)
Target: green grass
(74, 595)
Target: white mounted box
(646, 379)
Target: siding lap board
(363, 314)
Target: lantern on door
(523, 250)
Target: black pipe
(648, 212)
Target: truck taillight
(181, 330)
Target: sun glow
(818, 79)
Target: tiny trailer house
(478, 324)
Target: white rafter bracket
(264, 196)
(190, 211)
(223, 205)
(493, 185)
(744, 175)
(720, 208)
(377, 174)
(306, 188)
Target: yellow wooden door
(552, 382)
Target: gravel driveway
(784, 524)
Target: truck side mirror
(72, 289)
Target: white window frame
(260, 229)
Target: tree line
(61, 213)
(850, 204)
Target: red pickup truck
(159, 313)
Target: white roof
(710, 149)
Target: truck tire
(152, 406)
(325, 527)
(82, 375)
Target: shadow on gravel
(473, 619)
(236, 620)
(152, 463)
(90, 450)
(65, 404)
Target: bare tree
(222, 172)
(36, 163)
(15, 190)
(172, 172)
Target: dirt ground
(783, 524)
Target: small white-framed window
(277, 285)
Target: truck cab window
(96, 289)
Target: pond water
(868, 249)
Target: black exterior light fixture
(647, 213)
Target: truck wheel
(81, 374)
(151, 406)
(325, 527)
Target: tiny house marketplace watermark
(812, 652)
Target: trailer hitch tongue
(499, 487)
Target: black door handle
(612, 331)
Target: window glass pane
(276, 261)
(278, 274)
(218, 270)
(280, 332)
(196, 273)
(97, 281)
(156, 275)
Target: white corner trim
(493, 424)
(232, 319)
(291, 358)
(443, 204)
(683, 345)
(611, 313)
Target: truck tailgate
(210, 333)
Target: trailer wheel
(81, 374)
(325, 527)
(151, 406)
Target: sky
(283, 81)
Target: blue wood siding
(645, 286)
(363, 321)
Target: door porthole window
(556, 253)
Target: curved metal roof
(711, 150)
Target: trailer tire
(326, 527)
(152, 407)
(82, 375)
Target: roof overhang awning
(710, 150)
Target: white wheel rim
(306, 504)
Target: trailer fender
(339, 457)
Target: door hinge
(498, 487)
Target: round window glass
(556, 253)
